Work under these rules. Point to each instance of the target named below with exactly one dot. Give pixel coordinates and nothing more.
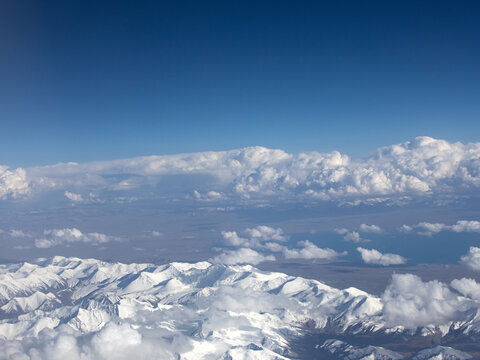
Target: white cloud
(421, 167)
(309, 250)
(253, 237)
(18, 234)
(466, 226)
(13, 183)
(241, 256)
(467, 287)
(472, 258)
(208, 196)
(375, 229)
(341, 231)
(376, 257)
(355, 237)
(429, 229)
(74, 197)
(405, 228)
(57, 237)
(79, 199)
(410, 302)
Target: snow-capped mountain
(89, 309)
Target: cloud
(253, 237)
(472, 258)
(13, 183)
(405, 228)
(377, 258)
(18, 234)
(67, 236)
(467, 287)
(354, 236)
(208, 196)
(429, 229)
(466, 226)
(422, 169)
(412, 303)
(241, 256)
(375, 229)
(309, 250)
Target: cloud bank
(420, 168)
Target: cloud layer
(422, 167)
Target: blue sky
(212, 89)
(95, 81)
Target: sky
(318, 138)
(87, 81)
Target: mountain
(88, 309)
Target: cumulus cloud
(429, 229)
(467, 287)
(419, 168)
(354, 236)
(405, 228)
(13, 183)
(67, 236)
(241, 256)
(253, 237)
(375, 229)
(472, 258)
(375, 257)
(309, 250)
(412, 303)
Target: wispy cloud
(67, 236)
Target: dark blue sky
(95, 80)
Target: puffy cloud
(309, 250)
(472, 258)
(429, 229)
(57, 237)
(241, 256)
(253, 237)
(377, 258)
(412, 303)
(466, 226)
(421, 167)
(467, 287)
(13, 183)
(405, 228)
(375, 229)
(354, 236)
